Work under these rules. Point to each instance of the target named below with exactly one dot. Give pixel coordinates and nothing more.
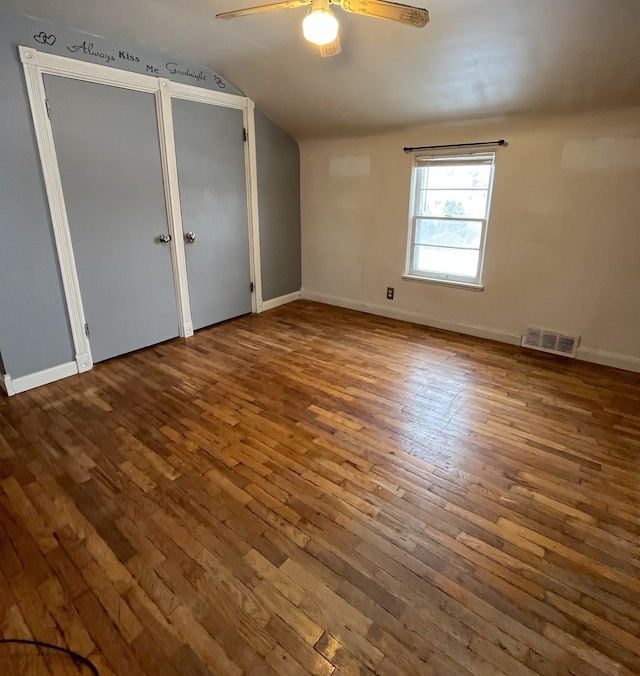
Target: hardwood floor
(315, 490)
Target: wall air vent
(550, 341)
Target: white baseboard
(24, 383)
(584, 353)
(619, 361)
(415, 317)
(280, 300)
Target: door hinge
(252, 287)
(48, 104)
(244, 134)
(86, 329)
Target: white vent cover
(550, 341)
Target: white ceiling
(475, 58)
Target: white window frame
(413, 273)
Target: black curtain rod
(501, 142)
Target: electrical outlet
(390, 291)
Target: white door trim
(251, 167)
(36, 64)
(174, 212)
(91, 72)
(44, 136)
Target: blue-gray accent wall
(34, 328)
(278, 165)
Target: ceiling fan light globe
(320, 27)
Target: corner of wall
(281, 300)
(6, 384)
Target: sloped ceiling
(476, 58)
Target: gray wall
(34, 329)
(278, 159)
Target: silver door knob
(163, 239)
(189, 237)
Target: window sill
(444, 282)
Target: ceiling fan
(320, 26)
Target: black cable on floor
(74, 656)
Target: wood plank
(318, 491)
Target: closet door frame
(36, 64)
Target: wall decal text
(87, 48)
(172, 67)
(112, 56)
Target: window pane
(449, 233)
(465, 176)
(462, 262)
(471, 203)
(453, 190)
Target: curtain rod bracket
(501, 142)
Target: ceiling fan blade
(287, 4)
(332, 48)
(381, 9)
